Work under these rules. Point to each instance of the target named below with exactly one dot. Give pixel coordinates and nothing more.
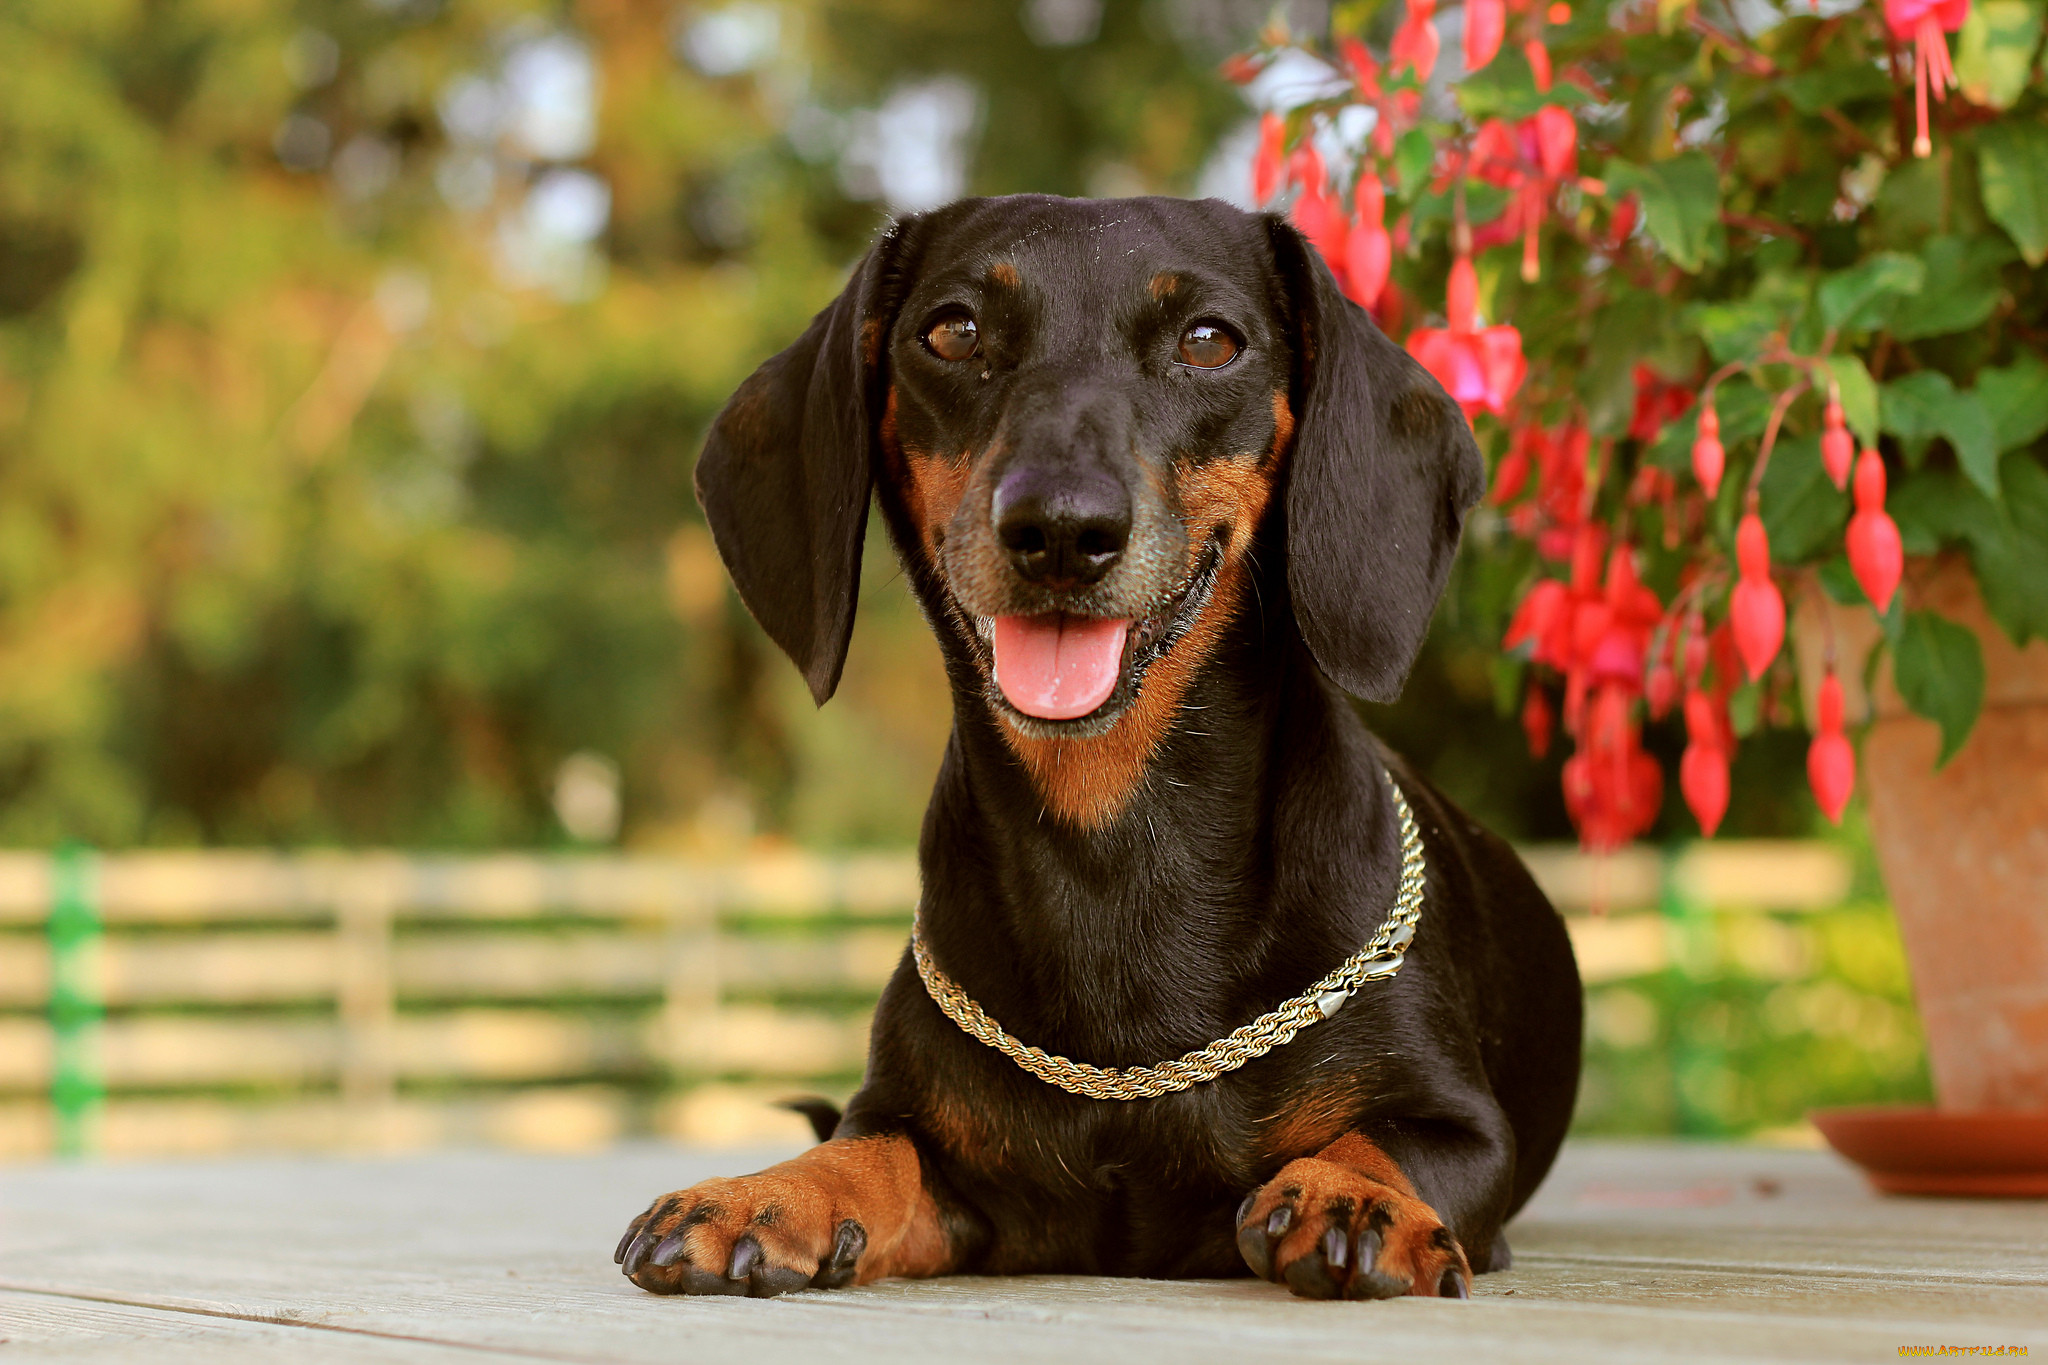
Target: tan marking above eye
(953, 337)
(1206, 346)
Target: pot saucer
(1910, 1149)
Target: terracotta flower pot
(1964, 850)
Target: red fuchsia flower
(1368, 249)
(1532, 158)
(1481, 367)
(1612, 789)
(1922, 23)
(1662, 690)
(1837, 446)
(1657, 402)
(1415, 43)
(1557, 141)
(1876, 555)
(1242, 68)
(1316, 211)
(1622, 222)
(1486, 23)
(1537, 722)
(1703, 770)
(1694, 654)
(1358, 60)
(1560, 504)
(1756, 609)
(1538, 57)
(1708, 458)
(1266, 165)
(1512, 474)
(1830, 762)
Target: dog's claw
(1452, 1285)
(1336, 1248)
(668, 1250)
(1244, 1210)
(1257, 1249)
(837, 1269)
(638, 1252)
(632, 1231)
(1279, 1221)
(746, 1254)
(1367, 1280)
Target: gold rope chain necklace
(1378, 960)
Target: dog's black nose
(1062, 528)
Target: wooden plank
(1630, 1253)
(1612, 947)
(1764, 874)
(92, 1328)
(1631, 879)
(224, 967)
(224, 885)
(184, 887)
(469, 1044)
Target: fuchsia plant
(1687, 270)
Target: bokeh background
(353, 358)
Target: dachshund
(1203, 979)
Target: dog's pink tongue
(1057, 667)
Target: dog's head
(1079, 414)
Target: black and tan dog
(1166, 497)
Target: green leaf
(1939, 669)
(1939, 507)
(1802, 509)
(1920, 406)
(1506, 677)
(1968, 428)
(1733, 331)
(1859, 396)
(1413, 155)
(1910, 408)
(1681, 204)
(1832, 86)
(2012, 566)
(2013, 159)
(1838, 580)
(1995, 51)
(1862, 296)
(1745, 709)
(1506, 88)
(2016, 396)
(1622, 332)
(1961, 290)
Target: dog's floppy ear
(1382, 472)
(786, 471)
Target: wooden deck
(1631, 1253)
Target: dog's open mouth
(1058, 667)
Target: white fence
(199, 1001)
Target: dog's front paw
(1328, 1231)
(757, 1235)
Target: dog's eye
(953, 338)
(1206, 346)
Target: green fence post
(1696, 1062)
(76, 1088)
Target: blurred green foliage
(349, 389)
(1759, 1019)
